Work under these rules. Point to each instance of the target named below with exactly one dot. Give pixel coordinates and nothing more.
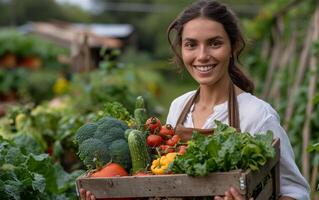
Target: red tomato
(176, 138)
(153, 124)
(154, 140)
(173, 141)
(167, 131)
(167, 149)
(170, 142)
(182, 149)
(110, 170)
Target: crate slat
(162, 185)
(254, 178)
(266, 193)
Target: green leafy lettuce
(224, 150)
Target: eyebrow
(209, 39)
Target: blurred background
(63, 62)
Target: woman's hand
(86, 195)
(231, 194)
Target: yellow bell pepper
(160, 165)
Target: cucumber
(140, 113)
(138, 150)
(140, 116)
(127, 133)
(139, 103)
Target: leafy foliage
(225, 150)
(26, 175)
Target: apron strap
(186, 109)
(233, 113)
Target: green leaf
(213, 147)
(314, 147)
(38, 182)
(12, 189)
(42, 164)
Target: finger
(234, 192)
(88, 195)
(82, 194)
(92, 197)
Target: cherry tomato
(154, 140)
(182, 149)
(167, 131)
(176, 138)
(167, 149)
(153, 124)
(173, 141)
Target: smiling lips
(204, 68)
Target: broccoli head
(85, 132)
(93, 153)
(120, 153)
(103, 141)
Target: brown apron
(233, 116)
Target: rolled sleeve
(292, 183)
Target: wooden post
(311, 94)
(299, 76)
(275, 57)
(283, 63)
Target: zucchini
(138, 150)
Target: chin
(206, 82)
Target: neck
(211, 95)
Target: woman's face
(206, 50)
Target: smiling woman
(206, 40)
(206, 55)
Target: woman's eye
(189, 45)
(216, 44)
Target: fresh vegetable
(127, 133)
(166, 149)
(225, 150)
(153, 125)
(182, 149)
(173, 141)
(154, 140)
(118, 111)
(110, 170)
(138, 151)
(140, 113)
(161, 165)
(167, 131)
(103, 141)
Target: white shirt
(255, 116)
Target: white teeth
(204, 68)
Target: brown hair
(220, 13)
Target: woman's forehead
(201, 28)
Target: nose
(203, 54)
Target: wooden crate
(262, 184)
